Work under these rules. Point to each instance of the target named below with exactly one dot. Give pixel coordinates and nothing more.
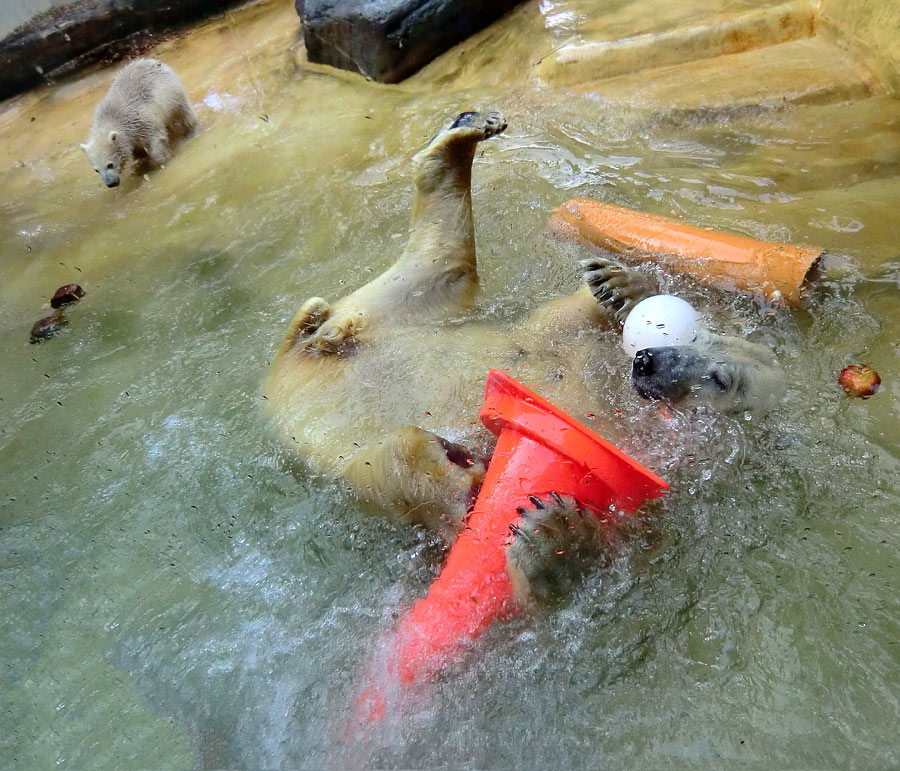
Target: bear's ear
(112, 136)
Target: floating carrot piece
(718, 259)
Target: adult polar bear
(355, 385)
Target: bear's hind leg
(416, 477)
(438, 265)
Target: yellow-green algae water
(176, 595)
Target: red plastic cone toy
(540, 449)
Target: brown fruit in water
(48, 326)
(859, 380)
(66, 295)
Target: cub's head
(108, 155)
(727, 373)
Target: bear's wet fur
(332, 349)
(136, 125)
(356, 383)
(354, 380)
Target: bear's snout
(111, 181)
(643, 364)
(667, 372)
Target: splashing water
(175, 593)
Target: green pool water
(176, 594)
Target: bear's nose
(112, 183)
(643, 363)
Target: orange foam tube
(539, 449)
(718, 259)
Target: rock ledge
(388, 40)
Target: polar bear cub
(144, 113)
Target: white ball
(657, 321)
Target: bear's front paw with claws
(554, 541)
(309, 318)
(616, 287)
(319, 331)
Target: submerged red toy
(540, 449)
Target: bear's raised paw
(308, 318)
(617, 287)
(483, 124)
(320, 330)
(551, 545)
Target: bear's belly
(430, 376)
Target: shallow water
(176, 594)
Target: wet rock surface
(70, 37)
(389, 40)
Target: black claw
(536, 501)
(557, 498)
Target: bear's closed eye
(720, 379)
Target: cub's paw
(550, 547)
(337, 335)
(616, 287)
(160, 152)
(480, 125)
